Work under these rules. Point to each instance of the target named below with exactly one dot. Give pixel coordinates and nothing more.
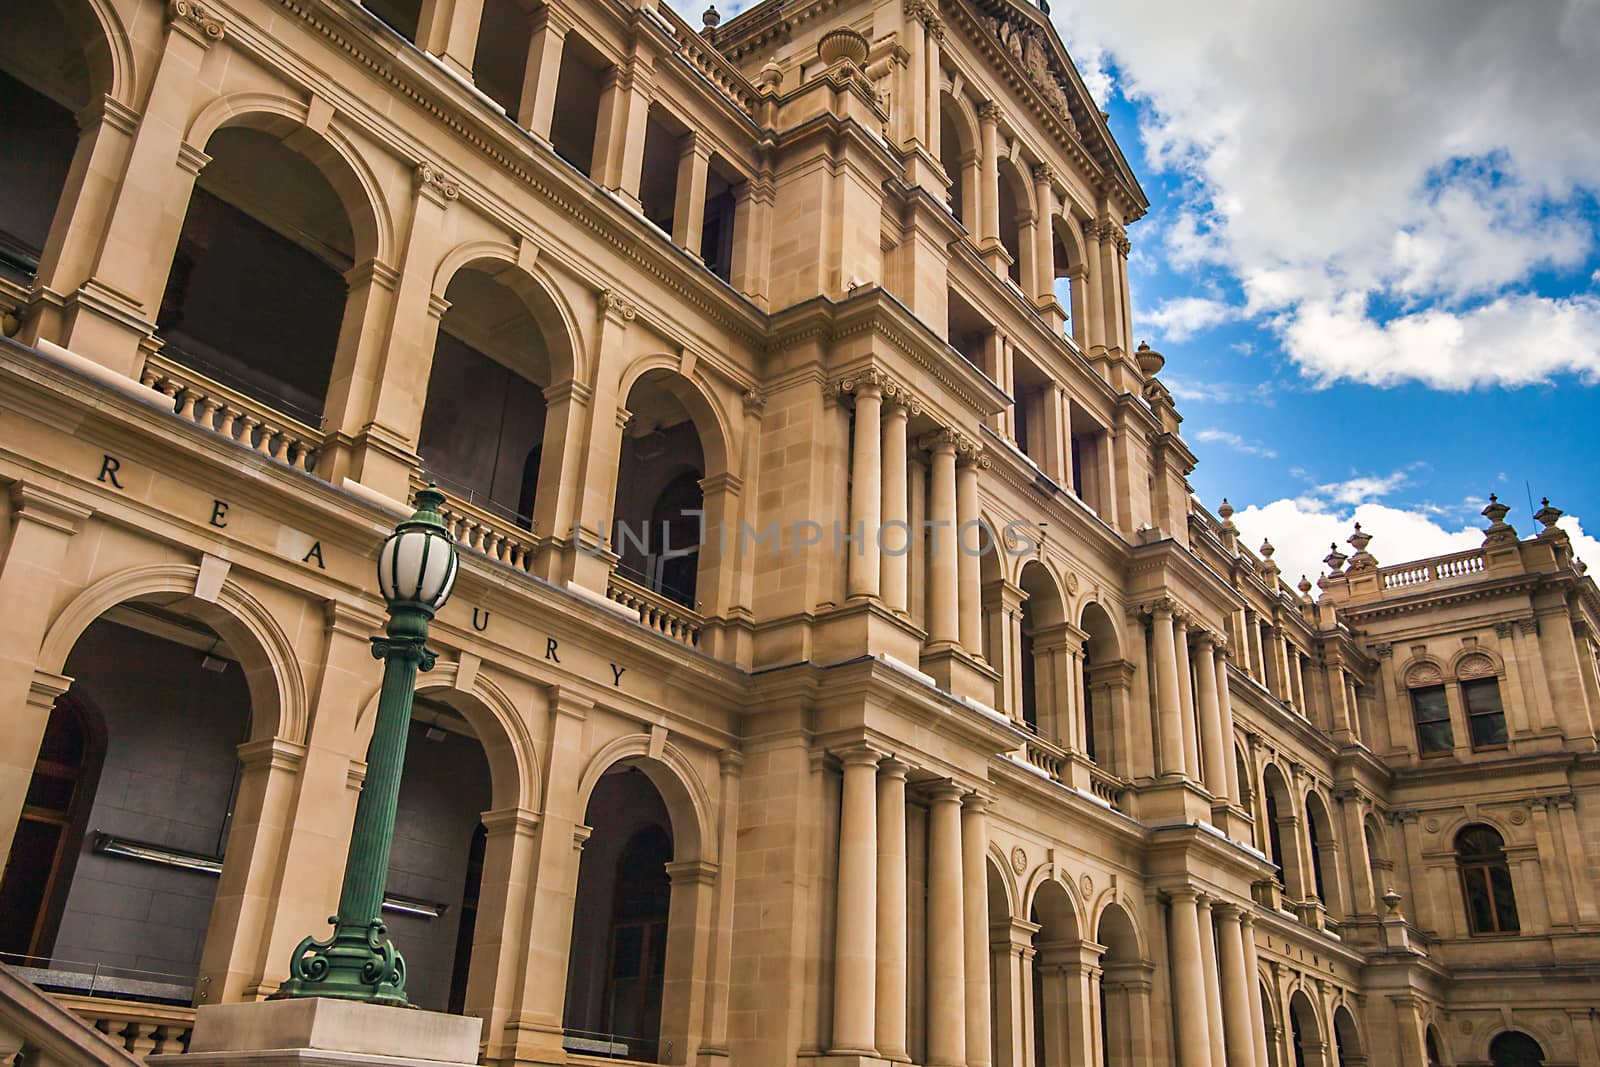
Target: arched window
(1430, 710)
(1486, 881)
(1515, 1049)
(1431, 1043)
(1480, 693)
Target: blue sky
(1372, 257)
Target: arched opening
(485, 417)
(577, 108)
(1005, 979)
(1046, 658)
(1324, 851)
(1247, 793)
(1283, 831)
(1305, 1032)
(265, 231)
(1346, 1039)
(1486, 881)
(1270, 1023)
(1036, 415)
(141, 752)
(1515, 1049)
(1123, 997)
(500, 57)
(1377, 859)
(1016, 215)
(660, 504)
(1057, 961)
(958, 155)
(617, 969)
(1430, 1045)
(45, 81)
(436, 860)
(1103, 679)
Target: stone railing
(656, 611)
(1108, 787)
(712, 64)
(482, 531)
(1436, 569)
(1047, 757)
(140, 1029)
(232, 414)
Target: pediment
(1026, 41)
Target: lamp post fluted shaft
(359, 962)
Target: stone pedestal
(321, 1031)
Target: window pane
(1488, 730)
(1435, 737)
(1481, 696)
(1480, 914)
(1430, 705)
(1505, 902)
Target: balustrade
(234, 415)
(141, 1029)
(656, 611)
(1437, 569)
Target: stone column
(866, 489)
(970, 539)
(1011, 946)
(943, 593)
(947, 994)
(1094, 327)
(895, 554)
(1215, 750)
(1188, 980)
(1081, 975)
(1258, 1021)
(1208, 962)
(1044, 262)
(890, 1015)
(855, 937)
(1169, 712)
(989, 142)
(1237, 1020)
(43, 523)
(1191, 742)
(536, 105)
(975, 910)
(1225, 709)
(689, 203)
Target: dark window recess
(1486, 881)
(252, 309)
(1486, 719)
(462, 965)
(716, 237)
(1515, 1049)
(1431, 711)
(41, 136)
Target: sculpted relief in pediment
(1029, 47)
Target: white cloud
(1301, 531)
(1430, 154)
(1518, 340)
(1360, 489)
(1183, 317)
(1235, 442)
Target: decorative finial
(1150, 361)
(711, 18)
(1391, 901)
(1304, 586)
(1495, 512)
(1268, 569)
(1266, 549)
(1548, 515)
(1359, 540)
(1335, 559)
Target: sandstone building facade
(718, 339)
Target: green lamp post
(416, 569)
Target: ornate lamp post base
(356, 963)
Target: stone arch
(1352, 1051)
(1435, 1048)
(1324, 857)
(1423, 671)
(538, 292)
(1281, 815)
(1003, 875)
(1013, 190)
(686, 797)
(501, 730)
(717, 438)
(1123, 935)
(1271, 1019)
(1512, 1048)
(107, 51)
(1306, 1027)
(272, 671)
(330, 151)
(1055, 900)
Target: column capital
(976, 803)
(990, 112)
(858, 755)
(1228, 910)
(1185, 893)
(946, 791)
(434, 183)
(196, 21)
(893, 767)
